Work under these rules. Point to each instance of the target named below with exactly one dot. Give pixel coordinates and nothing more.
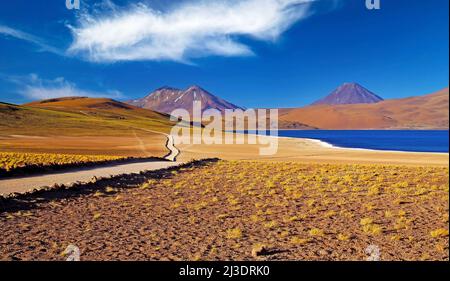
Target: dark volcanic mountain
(349, 93)
(168, 99)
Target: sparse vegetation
(439, 233)
(236, 209)
(234, 233)
(13, 160)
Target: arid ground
(308, 151)
(136, 144)
(239, 210)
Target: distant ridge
(415, 113)
(349, 93)
(81, 102)
(167, 99)
(82, 117)
(104, 107)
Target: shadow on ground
(31, 170)
(21, 202)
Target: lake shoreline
(432, 141)
(329, 145)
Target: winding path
(170, 144)
(24, 184)
(174, 151)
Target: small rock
(259, 250)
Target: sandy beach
(312, 151)
(152, 144)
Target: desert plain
(307, 202)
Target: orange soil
(425, 112)
(226, 210)
(136, 145)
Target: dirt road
(24, 184)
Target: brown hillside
(96, 106)
(83, 126)
(78, 117)
(423, 112)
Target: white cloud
(197, 28)
(18, 34)
(36, 88)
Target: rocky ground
(238, 211)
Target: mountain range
(167, 99)
(350, 106)
(80, 114)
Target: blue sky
(254, 53)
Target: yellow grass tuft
(270, 224)
(316, 232)
(299, 241)
(343, 237)
(366, 221)
(439, 233)
(234, 233)
(372, 229)
(13, 160)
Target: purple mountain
(167, 99)
(349, 93)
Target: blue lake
(419, 141)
